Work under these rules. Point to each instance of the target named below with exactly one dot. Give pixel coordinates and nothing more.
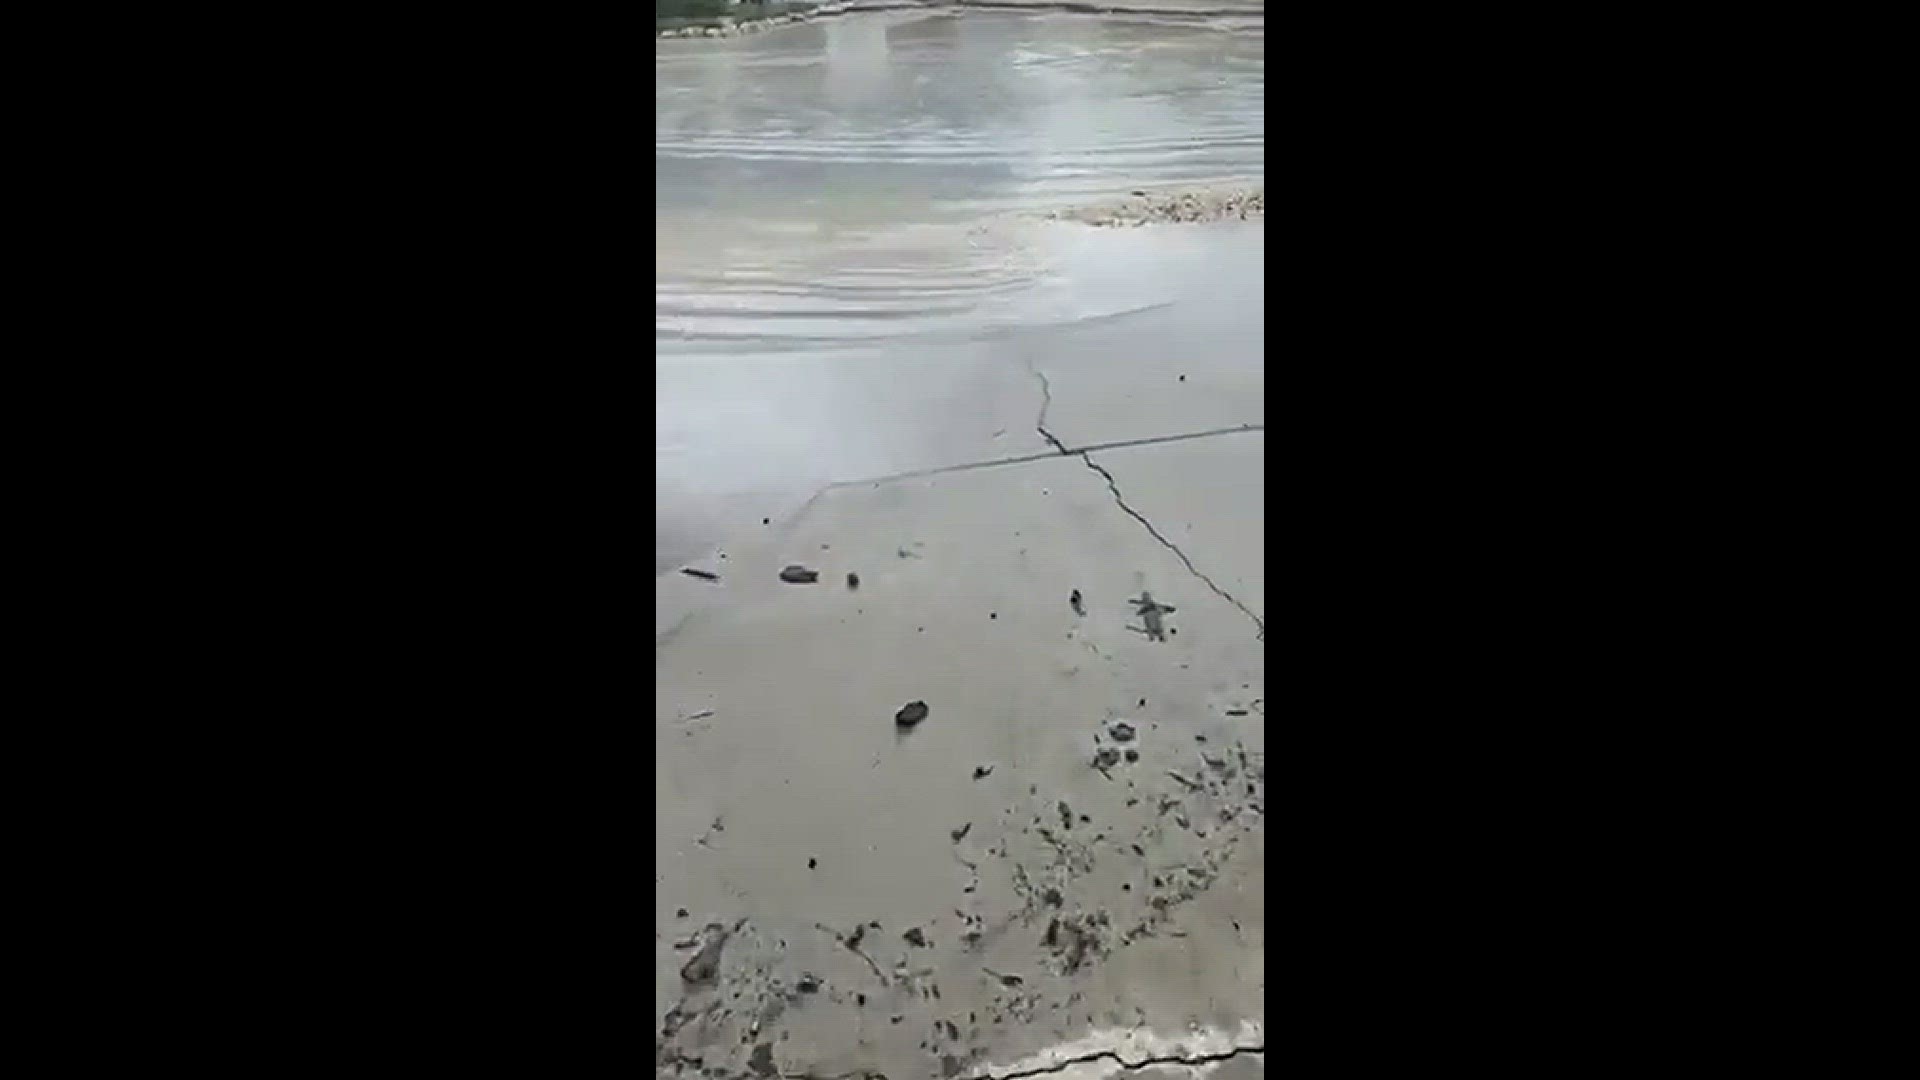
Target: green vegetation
(670, 14)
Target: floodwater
(852, 270)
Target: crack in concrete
(1172, 1059)
(1046, 401)
(1171, 546)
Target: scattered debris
(1074, 602)
(911, 713)
(809, 983)
(915, 938)
(702, 574)
(706, 963)
(796, 574)
(1052, 897)
(1150, 613)
(960, 833)
(1066, 815)
(851, 942)
(1121, 731)
(981, 772)
(853, 581)
(1106, 758)
(1192, 785)
(1005, 980)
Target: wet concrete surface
(1124, 898)
(1060, 867)
(850, 258)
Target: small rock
(915, 938)
(960, 833)
(1132, 754)
(799, 575)
(981, 772)
(911, 713)
(1121, 731)
(809, 983)
(1074, 602)
(853, 581)
(811, 863)
(1236, 712)
(1052, 898)
(701, 574)
(1183, 378)
(949, 1065)
(680, 914)
(1106, 758)
(993, 614)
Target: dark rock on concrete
(911, 713)
(799, 575)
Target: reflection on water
(846, 251)
(824, 182)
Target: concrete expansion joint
(1171, 546)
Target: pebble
(796, 574)
(1121, 731)
(910, 714)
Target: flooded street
(851, 246)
